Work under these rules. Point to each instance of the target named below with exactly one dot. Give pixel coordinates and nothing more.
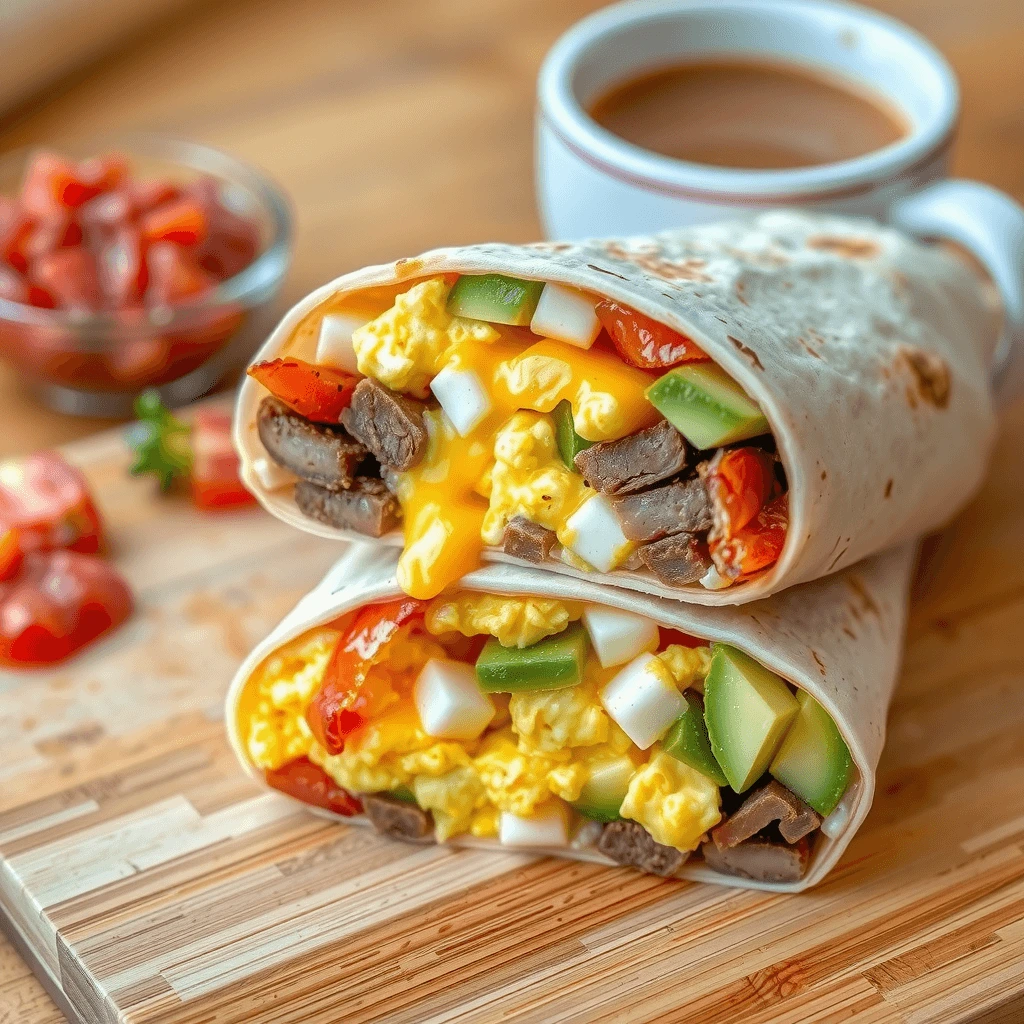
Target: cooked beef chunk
(634, 462)
(763, 807)
(682, 506)
(761, 858)
(527, 539)
(676, 561)
(368, 507)
(398, 819)
(628, 842)
(389, 424)
(323, 455)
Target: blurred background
(392, 127)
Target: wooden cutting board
(146, 879)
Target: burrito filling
(544, 723)
(484, 411)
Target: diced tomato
(214, 474)
(174, 275)
(71, 277)
(54, 185)
(642, 341)
(108, 210)
(123, 272)
(13, 287)
(233, 241)
(739, 482)
(49, 235)
(319, 393)
(756, 546)
(56, 604)
(103, 173)
(11, 555)
(15, 228)
(182, 221)
(346, 699)
(154, 192)
(47, 501)
(677, 636)
(312, 785)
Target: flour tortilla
(839, 638)
(869, 354)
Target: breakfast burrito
(712, 414)
(524, 710)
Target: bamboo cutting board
(147, 880)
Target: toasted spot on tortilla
(551, 246)
(824, 474)
(751, 355)
(809, 349)
(740, 288)
(851, 248)
(930, 377)
(835, 561)
(604, 270)
(408, 267)
(853, 581)
(888, 487)
(849, 632)
(818, 662)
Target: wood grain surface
(396, 127)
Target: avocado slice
(496, 298)
(687, 740)
(748, 710)
(603, 793)
(551, 664)
(814, 761)
(706, 405)
(570, 444)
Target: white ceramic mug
(592, 183)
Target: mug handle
(991, 226)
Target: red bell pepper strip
(739, 482)
(312, 785)
(642, 341)
(214, 474)
(47, 501)
(319, 393)
(756, 546)
(56, 604)
(345, 699)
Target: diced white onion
(334, 346)
(566, 314)
(450, 702)
(643, 700)
(462, 396)
(618, 637)
(714, 580)
(593, 532)
(549, 828)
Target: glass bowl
(96, 364)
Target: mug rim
(613, 155)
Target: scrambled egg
(407, 345)
(673, 801)
(542, 745)
(528, 478)
(515, 621)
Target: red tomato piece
(11, 555)
(758, 545)
(59, 602)
(233, 241)
(102, 173)
(312, 785)
(739, 482)
(174, 275)
(49, 235)
(15, 228)
(319, 393)
(47, 501)
(147, 194)
(214, 474)
(346, 699)
(54, 185)
(71, 277)
(642, 341)
(13, 287)
(677, 636)
(123, 273)
(182, 221)
(108, 210)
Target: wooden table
(400, 126)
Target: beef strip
(763, 807)
(389, 424)
(634, 462)
(761, 858)
(682, 506)
(676, 561)
(397, 818)
(629, 843)
(368, 507)
(527, 539)
(322, 454)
